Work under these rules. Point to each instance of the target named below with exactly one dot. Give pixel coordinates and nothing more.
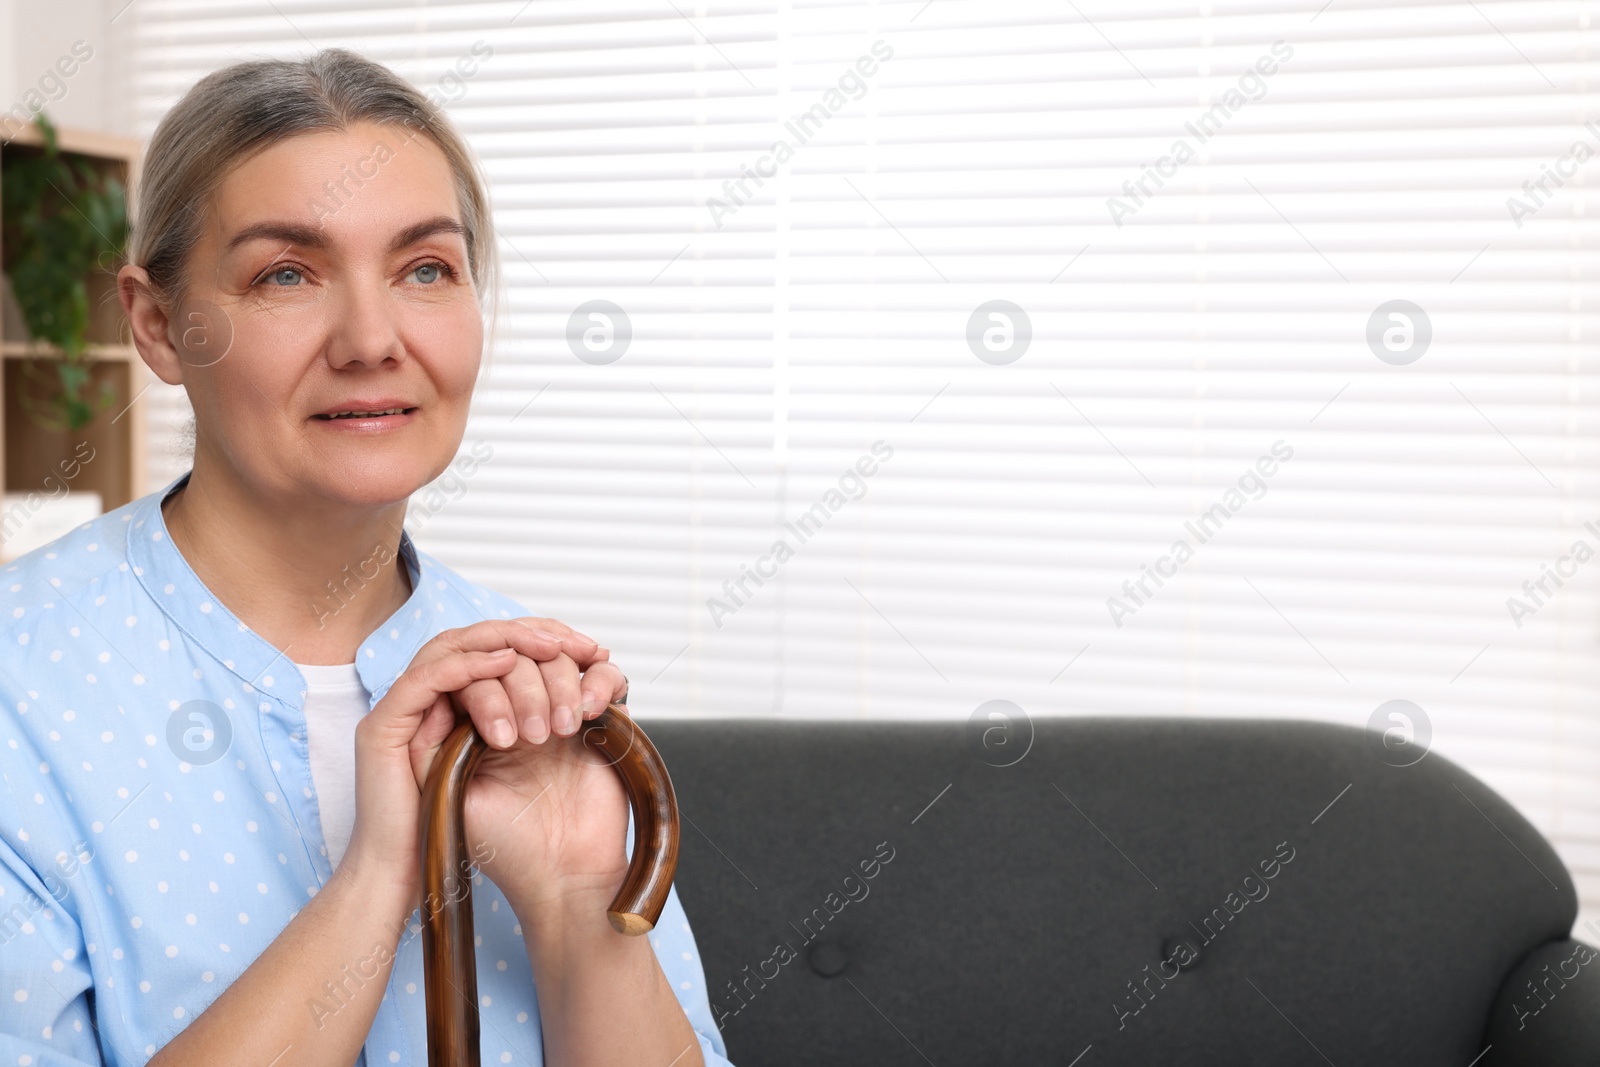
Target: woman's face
(331, 276)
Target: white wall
(34, 36)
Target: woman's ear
(150, 324)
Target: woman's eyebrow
(315, 237)
(426, 228)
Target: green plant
(62, 220)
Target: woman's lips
(366, 423)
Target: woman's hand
(546, 815)
(541, 698)
(384, 839)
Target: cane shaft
(448, 953)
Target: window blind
(1225, 358)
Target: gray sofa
(1128, 891)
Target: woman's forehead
(359, 183)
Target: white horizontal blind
(1220, 305)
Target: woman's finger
(394, 720)
(491, 634)
(489, 706)
(602, 683)
(529, 702)
(561, 682)
(581, 647)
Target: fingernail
(534, 729)
(561, 720)
(587, 706)
(503, 733)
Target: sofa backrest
(1201, 890)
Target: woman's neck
(312, 582)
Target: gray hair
(239, 110)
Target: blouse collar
(194, 609)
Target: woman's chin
(375, 482)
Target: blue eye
(278, 274)
(439, 270)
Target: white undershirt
(335, 701)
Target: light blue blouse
(158, 825)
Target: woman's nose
(366, 326)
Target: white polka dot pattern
(158, 820)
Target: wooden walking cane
(448, 956)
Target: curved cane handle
(449, 958)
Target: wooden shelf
(44, 350)
(84, 142)
(31, 454)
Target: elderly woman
(218, 703)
